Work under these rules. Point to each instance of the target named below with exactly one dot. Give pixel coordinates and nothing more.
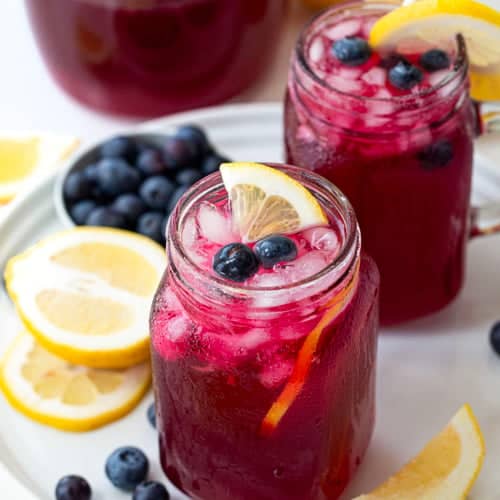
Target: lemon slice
(445, 469)
(265, 200)
(435, 21)
(54, 392)
(85, 294)
(25, 156)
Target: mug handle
(485, 220)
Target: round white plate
(427, 369)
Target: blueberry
(115, 176)
(151, 490)
(188, 176)
(436, 155)
(105, 216)
(235, 262)
(352, 50)
(152, 414)
(90, 172)
(404, 75)
(197, 136)
(151, 162)
(130, 206)
(120, 147)
(150, 224)
(495, 337)
(156, 192)
(77, 187)
(176, 196)
(164, 226)
(211, 163)
(179, 152)
(274, 249)
(434, 60)
(81, 210)
(127, 467)
(73, 488)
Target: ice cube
(349, 73)
(316, 50)
(293, 333)
(214, 225)
(375, 76)
(306, 266)
(343, 29)
(252, 339)
(178, 327)
(323, 238)
(276, 372)
(305, 133)
(348, 86)
(382, 104)
(189, 232)
(367, 27)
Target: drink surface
(401, 152)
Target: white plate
(427, 369)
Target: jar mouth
(321, 188)
(454, 80)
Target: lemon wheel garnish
(85, 294)
(54, 392)
(445, 469)
(265, 200)
(26, 156)
(435, 21)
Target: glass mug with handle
(400, 149)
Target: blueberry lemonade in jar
(378, 102)
(264, 333)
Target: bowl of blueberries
(134, 181)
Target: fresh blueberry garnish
(73, 488)
(151, 413)
(120, 147)
(127, 467)
(150, 162)
(115, 176)
(156, 192)
(81, 210)
(179, 152)
(434, 60)
(150, 224)
(212, 163)
(352, 50)
(404, 75)
(176, 196)
(235, 262)
(437, 155)
(274, 249)
(197, 136)
(188, 176)
(151, 490)
(77, 187)
(495, 337)
(106, 217)
(130, 206)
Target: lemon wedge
(25, 156)
(85, 294)
(54, 392)
(445, 469)
(435, 21)
(265, 200)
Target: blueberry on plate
(437, 155)
(352, 50)
(77, 187)
(197, 136)
(188, 176)
(179, 152)
(495, 337)
(151, 413)
(115, 176)
(235, 262)
(130, 206)
(274, 249)
(156, 192)
(151, 490)
(106, 217)
(150, 224)
(73, 488)
(120, 147)
(176, 196)
(81, 210)
(434, 60)
(150, 162)
(90, 172)
(212, 163)
(404, 75)
(127, 467)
